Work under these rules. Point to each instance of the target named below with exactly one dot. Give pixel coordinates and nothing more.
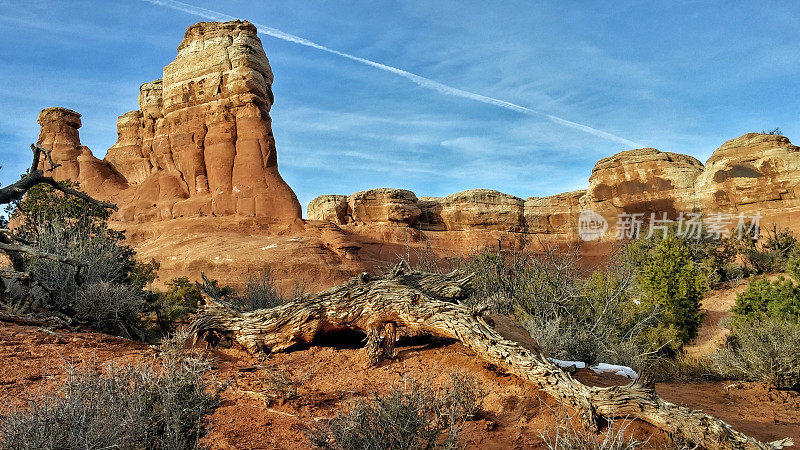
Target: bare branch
(11, 236)
(47, 322)
(20, 248)
(18, 189)
(38, 150)
(14, 275)
(35, 176)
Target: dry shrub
(103, 252)
(775, 250)
(110, 307)
(568, 436)
(569, 439)
(278, 385)
(762, 351)
(411, 416)
(262, 293)
(685, 369)
(125, 407)
(573, 315)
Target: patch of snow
(294, 239)
(567, 364)
(623, 371)
(269, 246)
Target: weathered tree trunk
(426, 303)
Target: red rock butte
(200, 143)
(194, 173)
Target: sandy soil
(752, 408)
(717, 306)
(332, 376)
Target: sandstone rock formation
(471, 210)
(556, 214)
(643, 180)
(383, 206)
(752, 172)
(755, 173)
(431, 213)
(201, 142)
(379, 206)
(482, 209)
(59, 134)
(329, 208)
(194, 173)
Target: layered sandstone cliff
(201, 142)
(473, 209)
(556, 214)
(642, 181)
(753, 174)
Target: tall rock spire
(74, 161)
(201, 142)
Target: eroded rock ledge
(755, 173)
(474, 209)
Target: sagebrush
(411, 416)
(132, 406)
(762, 351)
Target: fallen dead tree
(428, 303)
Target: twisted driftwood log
(427, 303)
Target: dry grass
(125, 407)
(412, 416)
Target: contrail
(419, 80)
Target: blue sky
(681, 76)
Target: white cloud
(417, 79)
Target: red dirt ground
(330, 377)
